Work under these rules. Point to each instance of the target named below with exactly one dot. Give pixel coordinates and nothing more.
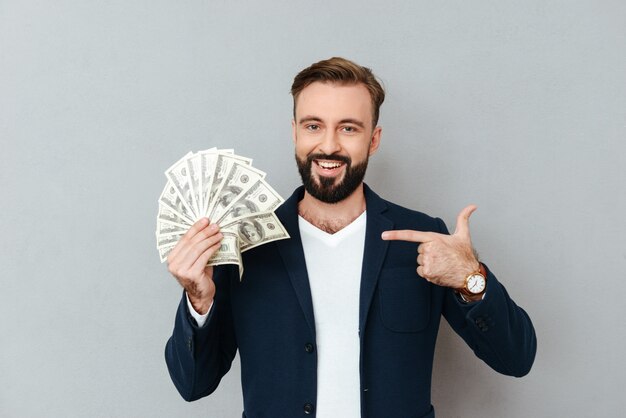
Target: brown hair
(342, 71)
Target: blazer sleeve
(198, 357)
(497, 330)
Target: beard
(326, 189)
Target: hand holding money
(225, 188)
(188, 263)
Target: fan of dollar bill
(224, 187)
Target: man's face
(334, 138)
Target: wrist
(475, 284)
(472, 298)
(200, 304)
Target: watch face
(476, 284)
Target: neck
(332, 217)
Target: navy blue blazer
(268, 317)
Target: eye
(349, 129)
(312, 127)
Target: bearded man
(340, 320)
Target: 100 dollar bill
(256, 230)
(261, 197)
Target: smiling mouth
(329, 165)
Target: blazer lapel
(374, 252)
(293, 255)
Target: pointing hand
(444, 260)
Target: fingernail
(384, 235)
(213, 227)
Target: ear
(375, 141)
(293, 130)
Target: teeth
(329, 165)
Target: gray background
(518, 107)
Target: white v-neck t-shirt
(333, 263)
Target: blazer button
(308, 408)
(308, 347)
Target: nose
(330, 143)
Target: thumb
(462, 221)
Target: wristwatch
(475, 283)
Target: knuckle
(196, 252)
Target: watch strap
(482, 270)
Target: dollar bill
(178, 175)
(256, 230)
(228, 252)
(167, 227)
(208, 159)
(170, 198)
(169, 239)
(238, 180)
(225, 159)
(222, 165)
(193, 173)
(167, 214)
(261, 197)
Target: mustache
(320, 156)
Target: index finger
(191, 232)
(197, 227)
(196, 233)
(408, 235)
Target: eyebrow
(353, 121)
(356, 122)
(309, 119)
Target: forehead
(334, 101)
